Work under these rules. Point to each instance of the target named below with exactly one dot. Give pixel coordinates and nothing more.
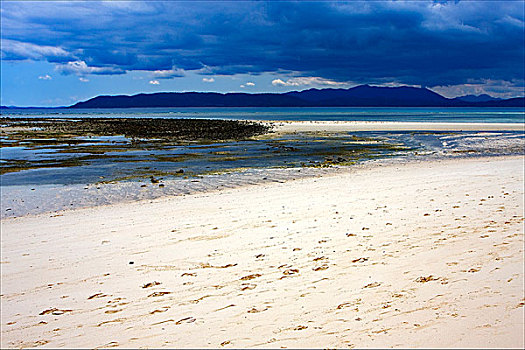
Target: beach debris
(259, 256)
(131, 262)
(300, 328)
(365, 228)
(151, 284)
(250, 277)
(372, 285)
(472, 270)
(180, 171)
(158, 294)
(423, 279)
(161, 185)
(153, 180)
(226, 342)
(98, 295)
(348, 234)
(360, 260)
(296, 249)
(54, 311)
(191, 274)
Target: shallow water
(89, 160)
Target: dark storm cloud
(428, 43)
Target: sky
(55, 53)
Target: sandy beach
(424, 254)
(342, 126)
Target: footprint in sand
(254, 310)
(112, 311)
(320, 268)
(54, 311)
(151, 284)
(186, 320)
(423, 279)
(250, 277)
(248, 286)
(163, 309)
(158, 294)
(98, 295)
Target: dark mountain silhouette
(365, 95)
(359, 96)
(477, 98)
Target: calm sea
(458, 115)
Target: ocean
(400, 114)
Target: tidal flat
(64, 151)
(51, 164)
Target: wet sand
(424, 254)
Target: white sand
(324, 262)
(342, 126)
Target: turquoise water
(427, 114)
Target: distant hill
(372, 96)
(477, 98)
(359, 96)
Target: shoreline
(333, 261)
(285, 126)
(20, 201)
(17, 199)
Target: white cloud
(169, 73)
(307, 81)
(81, 68)
(45, 77)
(250, 84)
(208, 80)
(495, 88)
(154, 82)
(84, 80)
(31, 51)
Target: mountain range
(359, 96)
